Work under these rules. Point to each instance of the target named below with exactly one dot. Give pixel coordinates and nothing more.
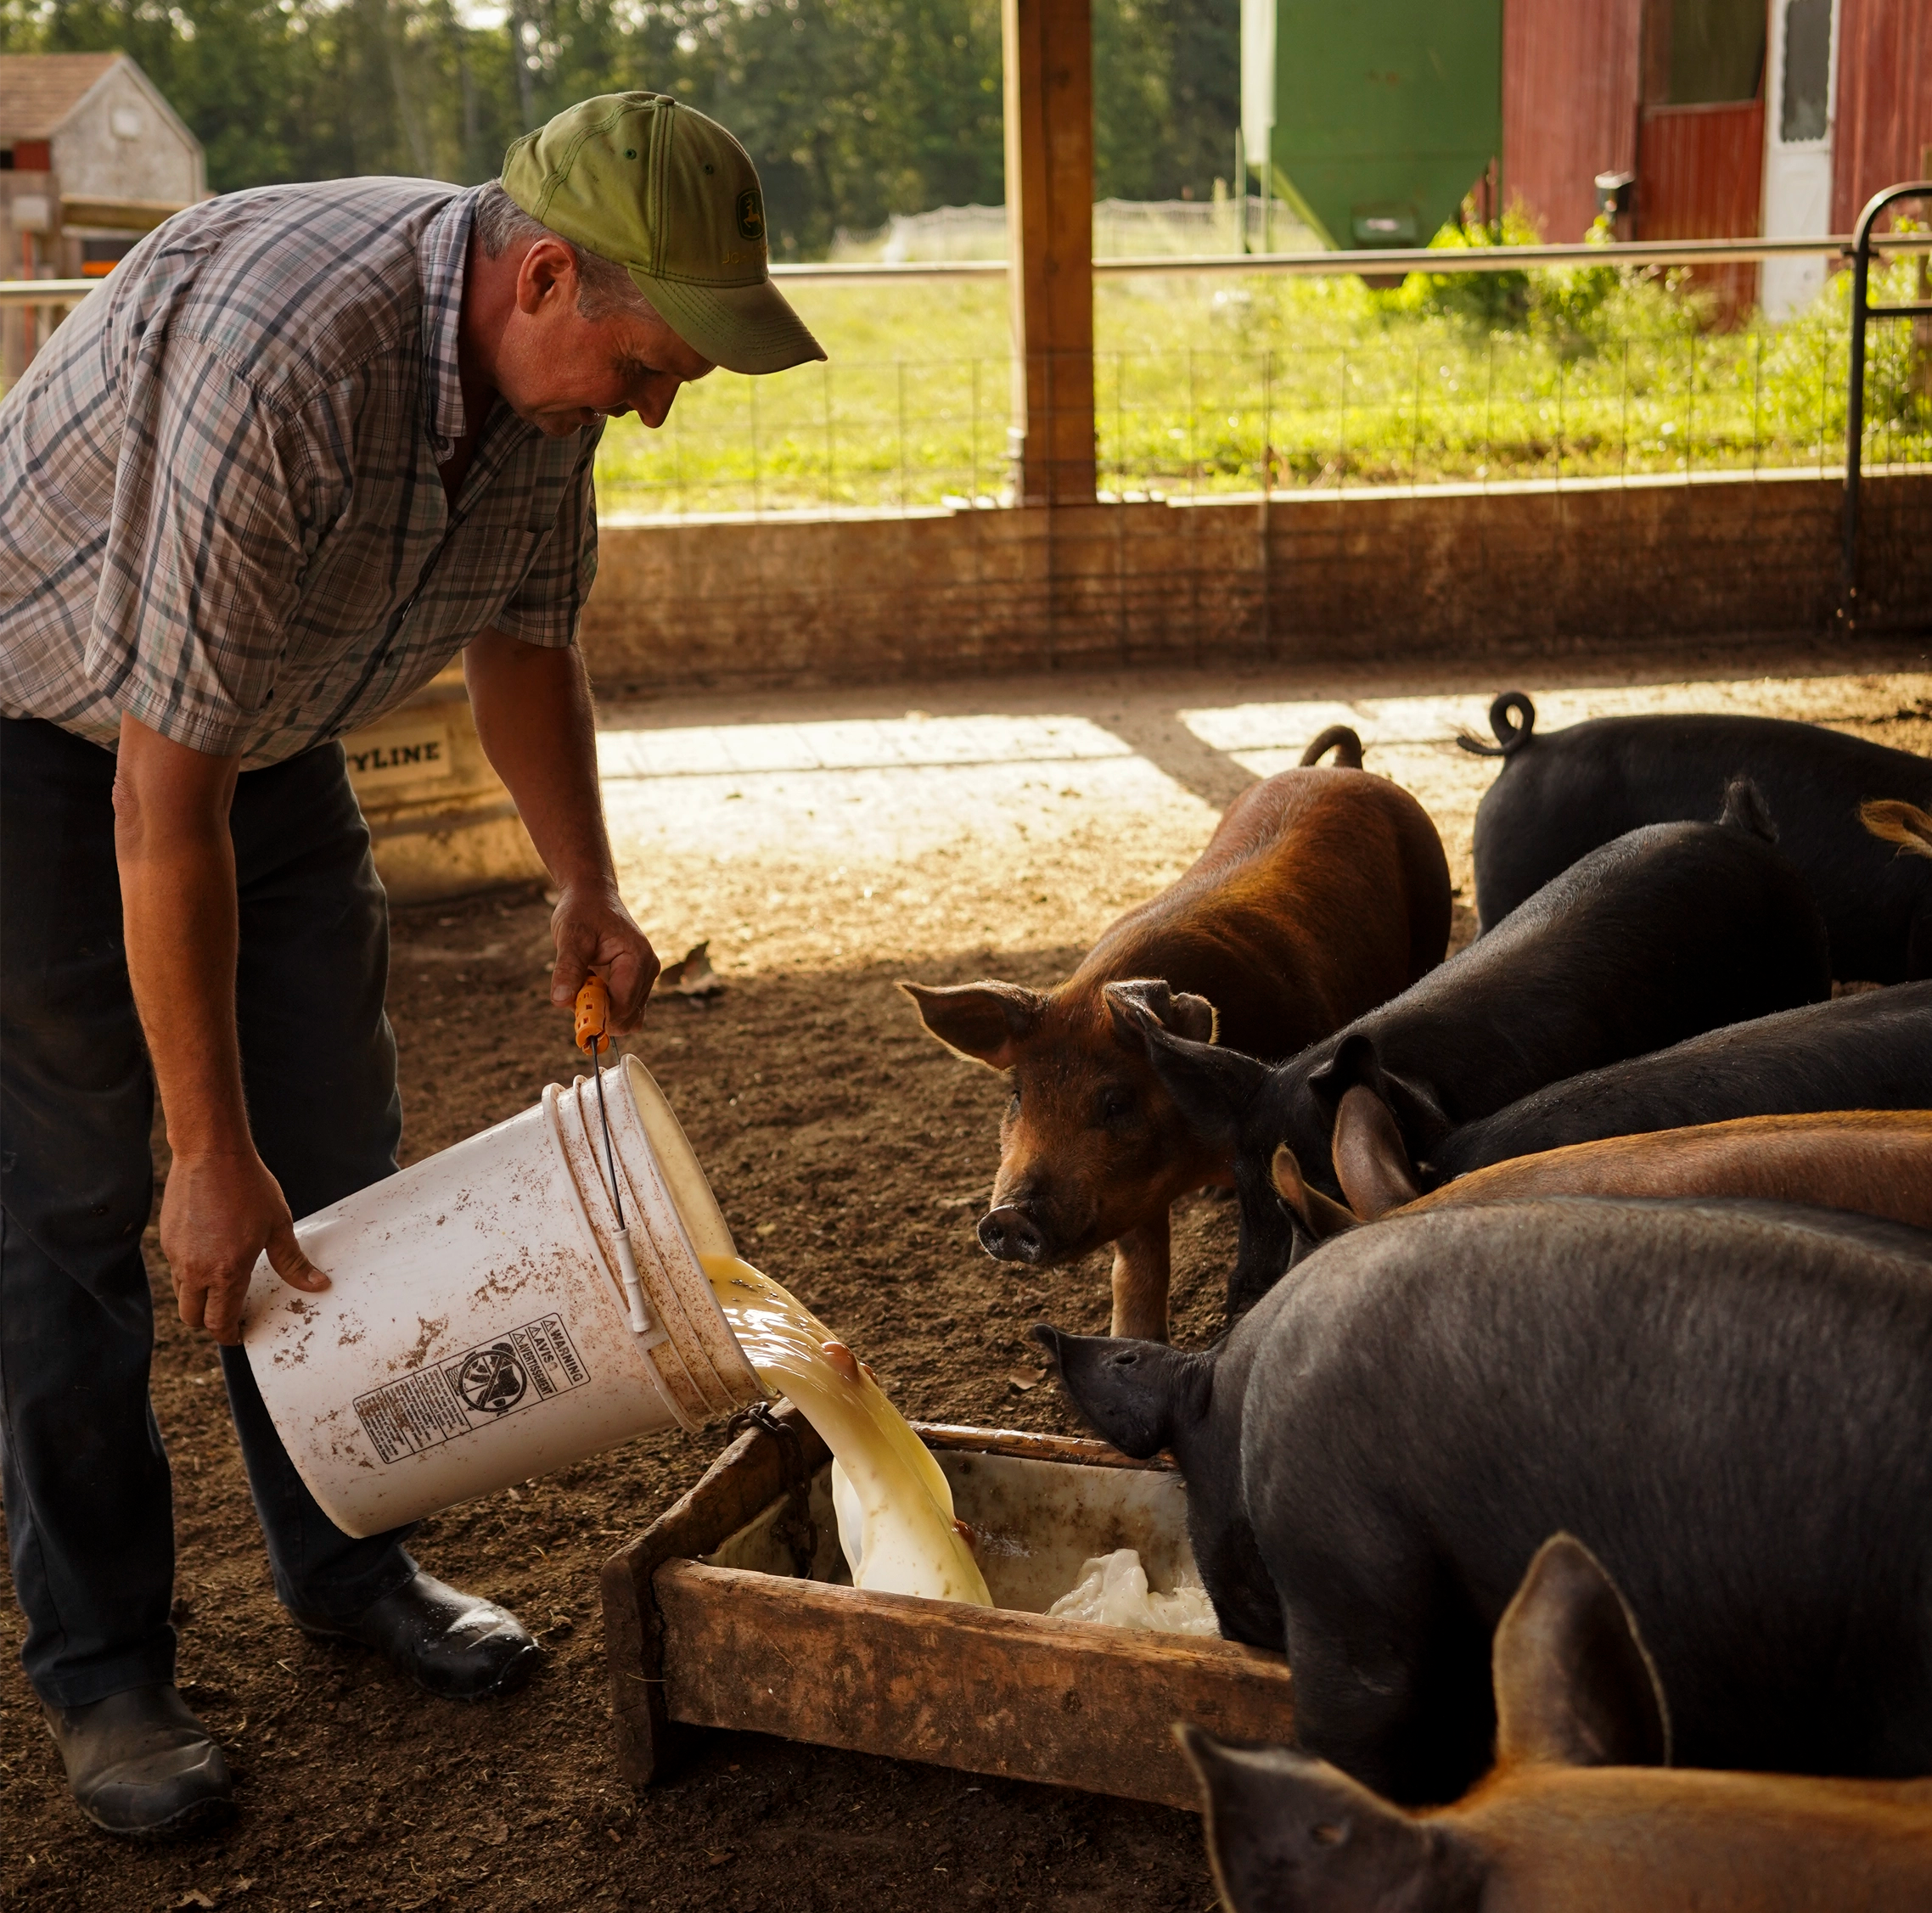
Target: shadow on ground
(851, 1154)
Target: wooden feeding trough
(734, 1610)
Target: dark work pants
(90, 1514)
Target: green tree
(853, 110)
(1167, 96)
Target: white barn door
(1800, 93)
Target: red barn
(1736, 117)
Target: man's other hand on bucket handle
(221, 1208)
(533, 711)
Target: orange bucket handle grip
(593, 1016)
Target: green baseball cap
(671, 197)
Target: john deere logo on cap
(750, 214)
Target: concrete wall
(1533, 570)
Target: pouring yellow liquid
(910, 1543)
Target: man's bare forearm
(534, 717)
(534, 714)
(179, 921)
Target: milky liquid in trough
(1112, 1591)
(910, 1543)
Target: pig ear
(1903, 824)
(1414, 1107)
(1285, 1830)
(1133, 1393)
(1317, 1214)
(1177, 1013)
(1355, 1061)
(1372, 1163)
(1575, 1685)
(1213, 1086)
(983, 1022)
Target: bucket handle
(669, 1305)
(721, 1390)
(643, 1348)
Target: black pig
(1728, 1402)
(1559, 795)
(1871, 1051)
(1669, 931)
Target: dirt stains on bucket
(431, 1329)
(292, 1353)
(506, 1282)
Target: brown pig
(1581, 1814)
(1322, 893)
(1877, 1162)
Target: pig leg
(1361, 1701)
(1390, 1662)
(1142, 1264)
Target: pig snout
(1009, 1234)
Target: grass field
(1205, 385)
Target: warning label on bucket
(437, 1403)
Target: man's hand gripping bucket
(490, 1319)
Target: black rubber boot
(459, 1647)
(141, 1766)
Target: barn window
(1701, 53)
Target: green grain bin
(1372, 118)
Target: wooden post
(1049, 197)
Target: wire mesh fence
(1561, 456)
(1413, 405)
(890, 436)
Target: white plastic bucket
(476, 1329)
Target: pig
(1581, 1812)
(1561, 795)
(1871, 1051)
(1323, 892)
(1876, 1162)
(1668, 930)
(1726, 1400)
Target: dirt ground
(825, 846)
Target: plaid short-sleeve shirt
(219, 509)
